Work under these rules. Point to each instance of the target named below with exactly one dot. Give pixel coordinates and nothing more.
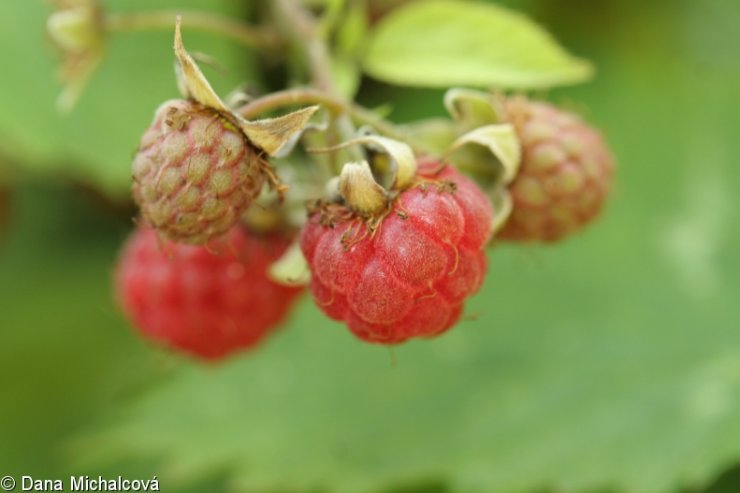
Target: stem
(302, 29)
(334, 104)
(196, 20)
(289, 97)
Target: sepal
(501, 141)
(291, 269)
(360, 190)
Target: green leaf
(728, 482)
(441, 43)
(471, 108)
(291, 268)
(58, 312)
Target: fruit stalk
(336, 105)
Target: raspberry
(195, 172)
(204, 302)
(565, 174)
(410, 275)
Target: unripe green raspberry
(565, 174)
(195, 172)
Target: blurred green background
(607, 363)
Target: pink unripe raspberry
(206, 301)
(410, 276)
(565, 174)
(195, 172)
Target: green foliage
(505, 403)
(728, 482)
(609, 363)
(441, 43)
(65, 354)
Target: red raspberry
(195, 172)
(408, 277)
(206, 302)
(565, 174)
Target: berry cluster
(394, 246)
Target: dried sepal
(191, 80)
(315, 127)
(502, 142)
(471, 108)
(360, 190)
(276, 136)
(503, 205)
(402, 161)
